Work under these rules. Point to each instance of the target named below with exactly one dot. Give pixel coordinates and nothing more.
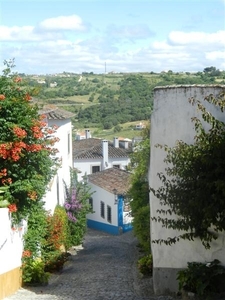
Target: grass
(127, 131)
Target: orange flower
(27, 97)
(26, 253)
(7, 181)
(2, 97)
(18, 79)
(12, 207)
(32, 195)
(37, 133)
(3, 172)
(34, 147)
(19, 132)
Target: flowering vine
(27, 153)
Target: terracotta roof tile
(54, 113)
(110, 179)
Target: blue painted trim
(103, 227)
(127, 227)
(120, 210)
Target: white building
(62, 119)
(91, 155)
(170, 122)
(110, 205)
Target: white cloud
(15, 33)
(214, 55)
(72, 22)
(49, 51)
(185, 38)
(138, 31)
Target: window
(109, 214)
(116, 166)
(91, 202)
(102, 209)
(68, 141)
(95, 169)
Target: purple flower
(67, 205)
(71, 217)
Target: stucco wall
(99, 195)
(55, 193)
(85, 166)
(11, 248)
(171, 121)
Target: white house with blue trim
(109, 201)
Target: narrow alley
(105, 269)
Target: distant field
(126, 132)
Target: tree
(193, 185)
(139, 191)
(27, 158)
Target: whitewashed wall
(11, 242)
(99, 195)
(171, 121)
(85, 166)
(55, 195)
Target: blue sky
(52, 36)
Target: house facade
(109, 201)
(91, 155)
(62, 120)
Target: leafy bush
(34, 273)
(58, 232)
(55, 261)
(77, 207)
(202, 279)
(145, 265)
(141, 227)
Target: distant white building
(53, 84)
(110, 205)
(91, 155)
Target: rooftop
(110, 179)
(52, 112)
(92, 148)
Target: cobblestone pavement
(105, 269)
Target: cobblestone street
(104, 269)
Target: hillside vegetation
(110, 103)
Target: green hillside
(109, 103)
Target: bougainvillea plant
(27, 156)
(77, 207)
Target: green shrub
(55, 261)
(58, 229)
(141, 227)
(145, 265)
(203, 279)
(33, 272)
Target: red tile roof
(110, 179)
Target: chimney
(116, 142)
(105, 154)
(87, 133)
(124, 144)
